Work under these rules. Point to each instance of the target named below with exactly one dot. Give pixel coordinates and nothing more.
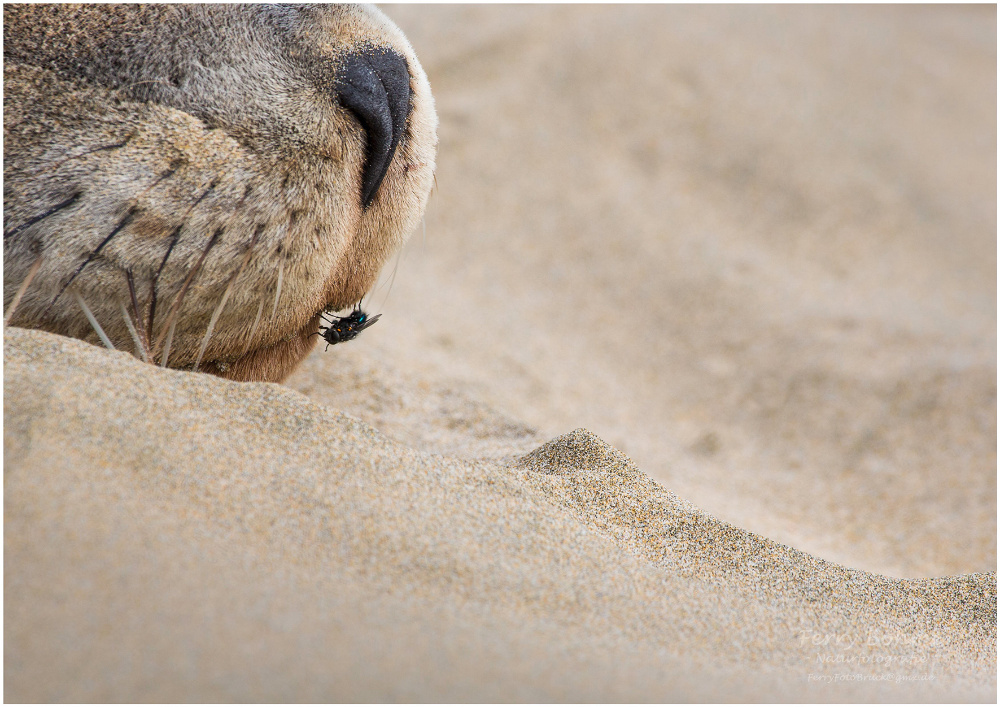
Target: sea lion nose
(374, 84)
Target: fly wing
(368, 323)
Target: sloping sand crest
(752, 247)
(174, 537)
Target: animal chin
(272, 363)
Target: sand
(173, 537)
(687, 392)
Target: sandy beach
(685, 390)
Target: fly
(346, 328)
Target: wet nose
(374, 84)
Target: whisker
(93, 321)
(225, 297)
(156, 278)
(392, 280)
(277, 292)
(253, 328)
(184, 288)
(173, 242)
(283, 248)
(211, 323)
(166, 346)
(126, 219)
(164, 175)
(102, 148)
(143, 340)
(20, 292)
(132, 331)
(35, 219)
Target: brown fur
(212, 133)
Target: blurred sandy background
(754, 248)
(751, 248)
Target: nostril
(374, 84)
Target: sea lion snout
(197, 183)
(374, 85)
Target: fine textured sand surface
(685, 391)
(173, 537)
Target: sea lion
(198, 183)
